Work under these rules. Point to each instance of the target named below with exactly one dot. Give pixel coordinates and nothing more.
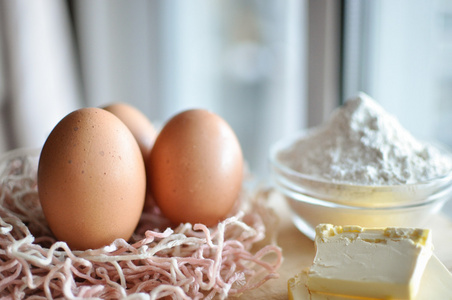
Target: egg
(91, 179)
(196, 168)
(140, 126)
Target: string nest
(183, 262)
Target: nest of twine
(184, 262)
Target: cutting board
(298, 250)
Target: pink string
(186, 262)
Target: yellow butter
(298, 290)
(436, 283)
(354, 262)
(382, 263)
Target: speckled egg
(196, 168)
(91, 179)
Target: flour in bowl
(363, 144)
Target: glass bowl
(314, 201)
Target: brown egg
(140, 126)
(91, 179)
(196, 168)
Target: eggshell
(91, 179)
(140, 126)
(196, 168)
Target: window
(399, 52)
(244, 60)
(268, 67)
(241, 59)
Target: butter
(296, 286)
(377, 263)
(298, 290)
(354, 262)
(436, 283)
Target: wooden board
(298, 250)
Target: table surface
(298, 250)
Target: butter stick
(376, 263)
(436, 283)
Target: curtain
(38, 75)
(244, 60)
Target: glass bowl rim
(307, 199)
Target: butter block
(298, 290)
(376, 263)
(436, 283)
(296, 287)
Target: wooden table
(298, 250)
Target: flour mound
(363, 144)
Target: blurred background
(269, 68)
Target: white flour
(363, 144)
